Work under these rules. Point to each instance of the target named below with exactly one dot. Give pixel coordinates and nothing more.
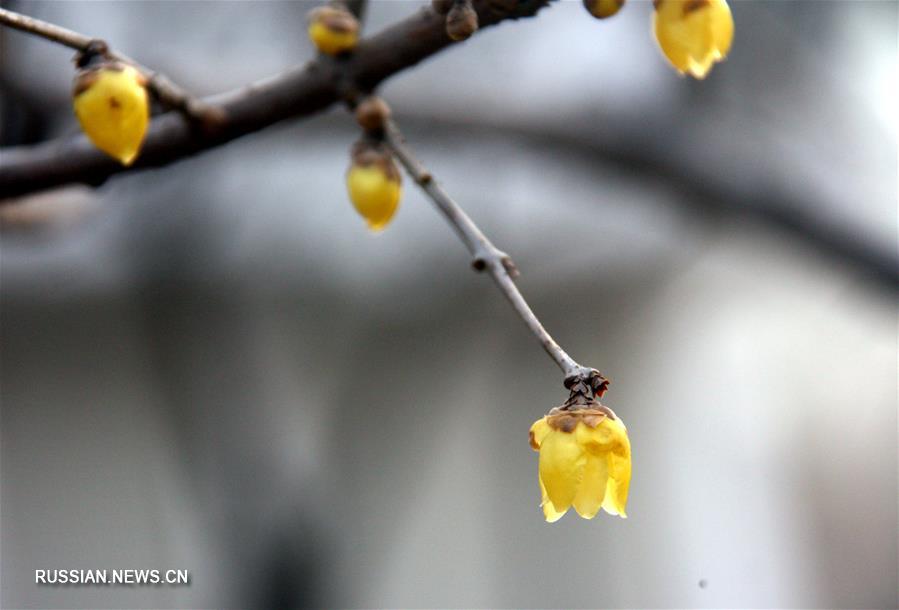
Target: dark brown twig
(170, 94)
(487, 257)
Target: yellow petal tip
(127, 160)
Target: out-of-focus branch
(296, 93)
(714, 194)
(357, 8)
(488, 257)
(170, 94)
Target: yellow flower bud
(602, 9)
(585, 461)
(333, 30)
(374, 184)
(113, 107)
(693, 34)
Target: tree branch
(298, 92)
(488, 257)
(170, 94)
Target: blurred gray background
(213, 366)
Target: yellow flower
(693, 34)
(112, 105)
(585, 461)
(333, 30)
(374, 184)
(602, 9)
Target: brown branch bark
(166, 91)
(296, 93)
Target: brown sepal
(85, 77)
(566, 420)
(368, 152)
(335, 18)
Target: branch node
(586, 381)
(211, 118)
(95, 48)
(488, 255)
(510, 266)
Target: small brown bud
(461, 21)
(602, 9)
(372, 113)
(441, 7)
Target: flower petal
(374, 194)
(538, 432)
(608, 435)
(619, 483)
(722, 29)
(592, 491)
(561, 468)
(693, 34)
(549, 509)
(114, 112)
(671, 33)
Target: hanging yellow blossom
(693, 34)
(374, 184)
(113, 107)
(585, 461)
(333, 29)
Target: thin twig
(485, 255)
(170, 94)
